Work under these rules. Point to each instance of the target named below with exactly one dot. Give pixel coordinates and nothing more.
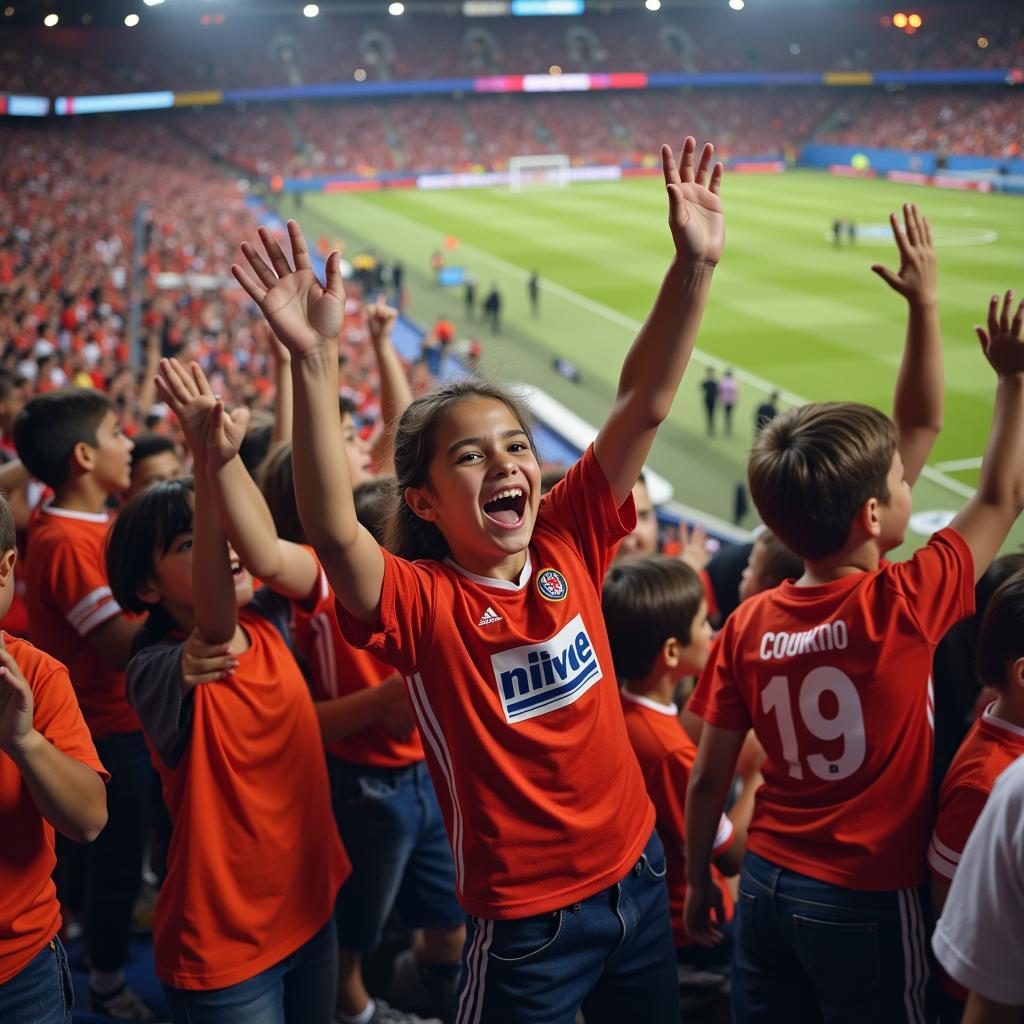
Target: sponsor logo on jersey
(537, 678)
(551, 585)
(489, 617)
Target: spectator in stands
(709, 388)
(770, 564)
(154, 458)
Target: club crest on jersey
(551, 585)
(537, 678)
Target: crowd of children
(341, 682)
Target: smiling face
(483, 487)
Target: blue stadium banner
(535, 7)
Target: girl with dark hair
(497, 628)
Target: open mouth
(507, 507)
(237, 571)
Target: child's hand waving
(305, 315)
(225, 435)
(188, 394)
(695, 211)
(380, 318)
(1003, 341)
(917, 278)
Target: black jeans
(114, 860)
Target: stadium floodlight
(152, 3)
(915, 21)
(396, 8)
(652, 5)
(131, 20)
(899, 19)
(50, 20)
(311, 10)
(737, 5)
(982, 43)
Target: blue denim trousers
(611, 955)
(809, 951)
(301, 989)
(40, 993)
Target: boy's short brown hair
(813, 468)
(8, 535)
(1001, 640)
(646, 600)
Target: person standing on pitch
(533, 288)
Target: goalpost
(538, 172)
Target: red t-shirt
(339, 669)
(255, 863)
(836, 681)
(513, 687)
(666, 755)
(69, 597)
(29, 911)
(987, 751)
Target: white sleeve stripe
(945, 851)
(104, 613)
(726, 830)
(940, 866)
(85, 607)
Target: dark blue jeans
(114, 860)
(611, 955)
(810, 951)
(41, 992)
(301, 989)
(391, 825)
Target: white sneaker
(121, 1004)
(384, 1014)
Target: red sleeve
(960, 808)
(79, 587)
(717, 699)
(582, 509)
(56, 713)
(320, 598)
(407, 600)
(937, 583)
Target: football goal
(538, 172)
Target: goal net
(538, 172)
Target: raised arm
(282, 362)
(213, 588)
(920, 385)
(655, 363)
(987, 517)
(307, 317)
(395, 393)
(68, 794)
(146, 395)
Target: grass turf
(786, 307)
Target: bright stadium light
(152, 3)
(396, 8)
(50, 20)
(914, 21)
(311, 10)
(899, 19)
(737, 5)
(359, 74)
(652, 5)
(982, 43)
(131, 20)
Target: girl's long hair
(145, 529)
(413, 537)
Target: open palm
(305, 315)
(695, 217)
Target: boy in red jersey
(50, 778)
(995, 741)
(833, 673)
(657, 619)
(71, 440)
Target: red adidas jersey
(666, 755)
(836, 681)
(339, 669)
(513, 687)
(69, 598)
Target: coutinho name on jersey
(537, 678)
(829, 636)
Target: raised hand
(187, 392)
(16, 704)
(917, 278)
(305, 315)
(695, 214)
(1002, 340)
(225, 434)
(380, 318)
(695, 548)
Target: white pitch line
(934, 474)
(957, 464)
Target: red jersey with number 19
(515, 694)
(836, 681)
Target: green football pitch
(788, 310)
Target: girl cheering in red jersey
(497, 628)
